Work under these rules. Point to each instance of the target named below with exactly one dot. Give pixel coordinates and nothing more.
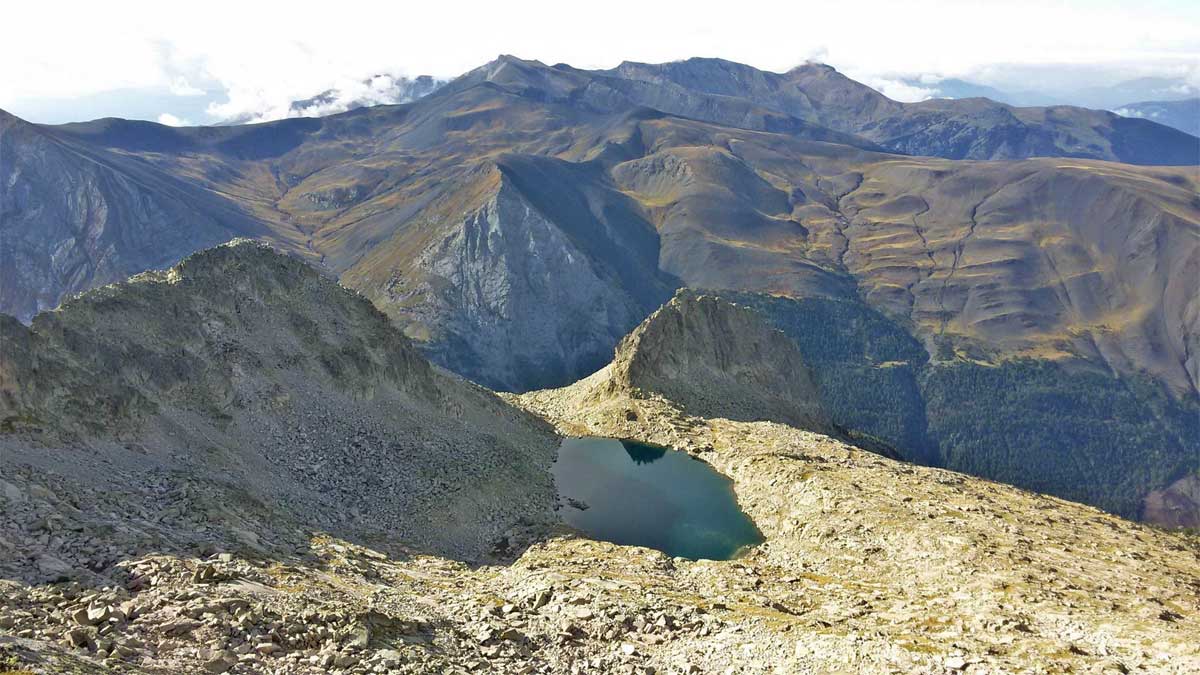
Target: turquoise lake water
(641, 495)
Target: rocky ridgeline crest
(253, 375)
(714, 358)
(113, 356)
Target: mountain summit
(713, 359)
(267, 383)
(975, 128)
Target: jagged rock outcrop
(531, 286)
(263, 382)
(712, 358)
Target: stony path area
(883, 566)
(870, 565)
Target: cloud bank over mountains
(347, 94)
(201, 67)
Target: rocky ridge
(712, 359)
(267, 384)
(970, 128)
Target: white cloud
(260, 106)
(180, 87)
(1135, 112)
(172, 121)
(899, 90)
(819, 54)
(1182, 90)
(272, 54)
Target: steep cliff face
(711, 358)
(514, 298)
(73, 217)
(255, 375)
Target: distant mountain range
(519, 220)
(1183, 115)
(182, 104)
(1107, 97)
(1174, 103)
(959, 129)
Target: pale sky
(267, 53)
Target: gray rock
(221, 662)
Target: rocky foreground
(295, 542)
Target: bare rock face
(530, 288)
(717, 359)
(507, 264)
(263, 382)
(73, 217)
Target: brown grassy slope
(1047, 257)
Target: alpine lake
(635, 494)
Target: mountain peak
(512, 60)
(713, 358)
(815, 66)
(241, 304)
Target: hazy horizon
(141, 60)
